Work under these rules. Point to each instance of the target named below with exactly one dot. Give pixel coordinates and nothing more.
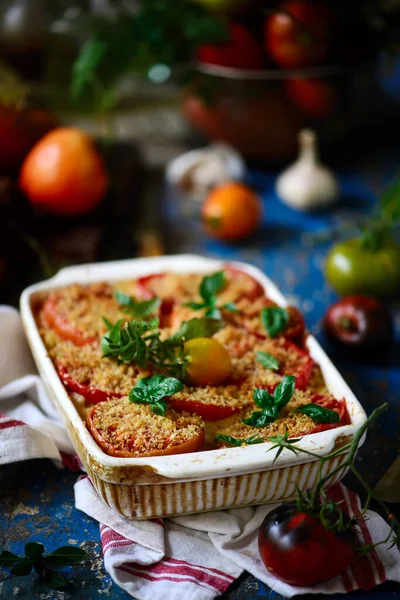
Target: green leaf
(34, 550)
(262, 398)
(138, 309)
(258, 419)
(195, 305)
(267, 360)
(65, 556)
(196, 328)
(319, 413)
(283, 392)
(253, 439)
(213, 312)
(231, 307)
(7, 558)
(211, 285)
(152, 390)
(22, 567)
(274, 319)
(54, 580)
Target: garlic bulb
(307, 184)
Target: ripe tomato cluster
(297, 34)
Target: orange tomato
(64, 174)
(231, 211)
(208, 362)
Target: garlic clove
(196, 172)
(307, 184)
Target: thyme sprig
(316, 502)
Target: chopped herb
(153, 390)
(267, 360)
(271, 405)
(253, 439)
(140, 342)
(319, 413)
(208, 290)
(43, 564)
(274, 319)
(137, 308)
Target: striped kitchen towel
(194, 557)
(197, 557)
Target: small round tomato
(208, 362)
(231, 211)
(298, 34)
(241, 51)
(359, 323)
(91, 394)
(64, 174)
(352, 268)
(296, 548)
(316, 97)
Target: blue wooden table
(37, 499)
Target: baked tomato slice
(294, 331)
(146, 286)
(115, 432)
(208, 411)
(292, 361)
(339, 406)
(91, 394)
(251, 288)
(60, 323)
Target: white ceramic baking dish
(141, 488)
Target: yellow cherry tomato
(208, 362)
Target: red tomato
(296, 548)
(231, 211)
(20, 129)
(144, 285)
(316, 97)
(209, 412)
(337, 405)
(242, 51)
(359, 324)
(64, 174)
(92, 394)
(65, 329)
(297, 362)
(192, 445)
(298, 34)
(295, 331)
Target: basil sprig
(153, 390)
(267, 360)
(141, 309)
(43, 564)
(319, 413)
(274, 319)
(208, 290)
(271, 405)
(228, 439)
(140, 342)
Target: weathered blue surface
(37, 499)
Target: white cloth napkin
(194, 557)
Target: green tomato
(353, 269)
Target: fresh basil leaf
(283, 392)
(262, 397)
(137, 308)
(7, 558)
(22, 567)
(231, 307)
(267, 360)
(34, 550)
(54, 579)
(211, 285)
(64, 556)
(274, 319)
(213, 312)
(196, 328)
(152, 390)
(195, 305)
(258, 419)
(228, 439)
(319, 413)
